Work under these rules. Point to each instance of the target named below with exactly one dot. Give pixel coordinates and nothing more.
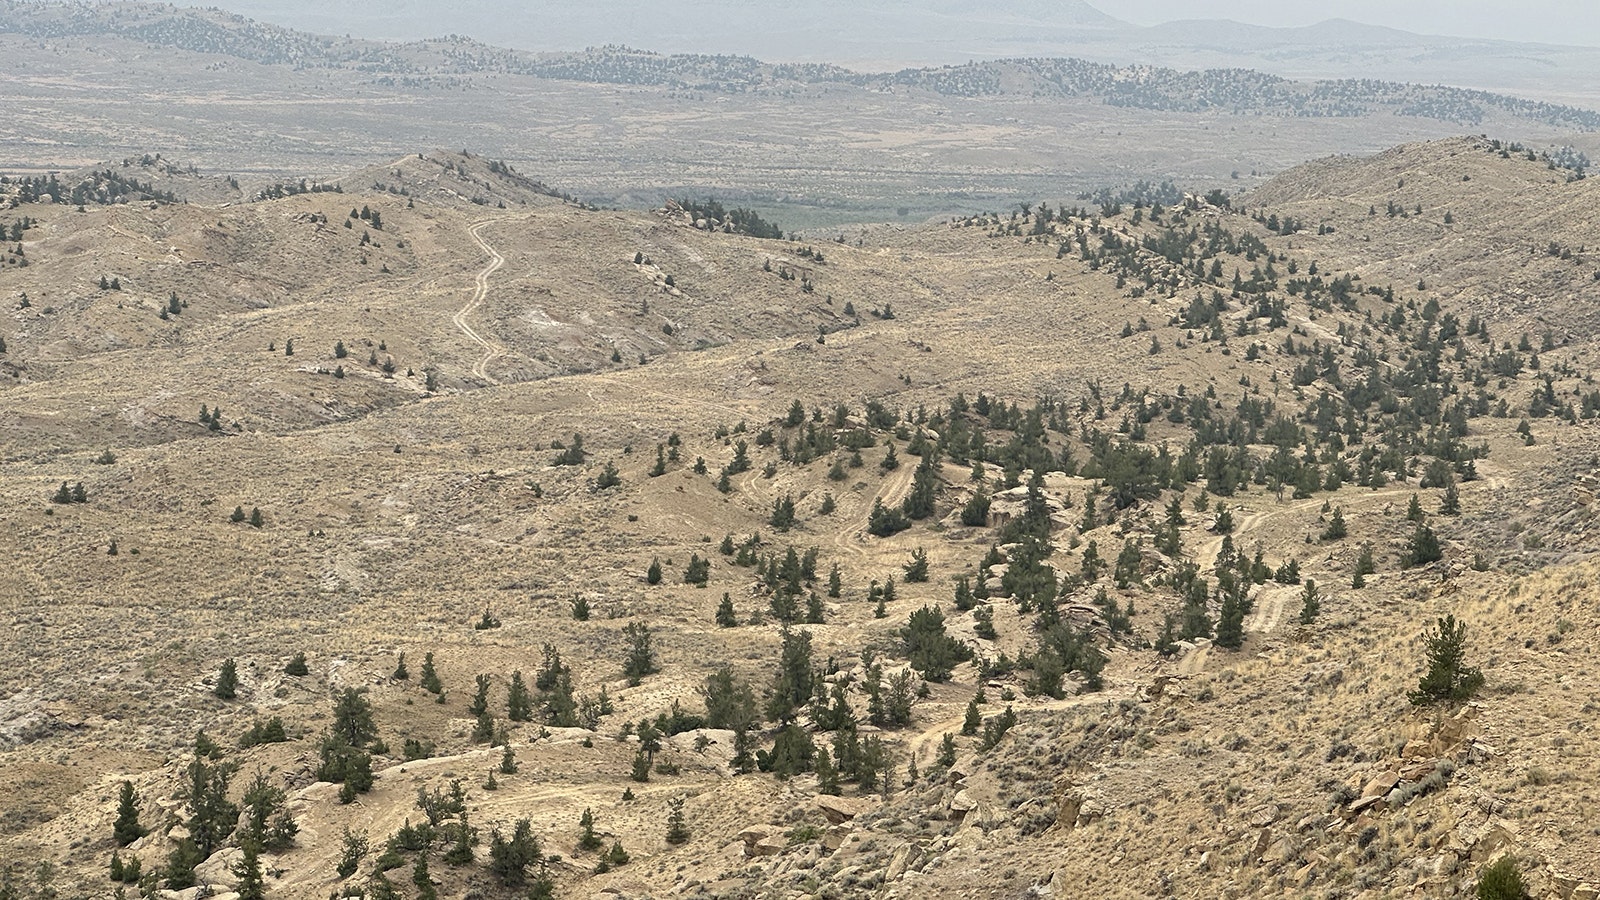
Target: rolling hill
(1076, 467)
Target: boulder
(769, 846)
(835, 836)
(1264, 815)
(843, 809)
(909, 858)
(218, 869)
(1381, 785)
(1364, 804)
(963, 802)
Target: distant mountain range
(891, 34)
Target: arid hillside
(1059, 550)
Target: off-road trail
(491, 349)
(892, 492)
(923, 746)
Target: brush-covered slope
(1112, 448)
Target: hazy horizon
(1561, 22)
(1556, 22)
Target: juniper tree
(509, 859)
(698, 571)
(1449, 678)
(297, 666)
(931, 651)
(1336, 527)
(917, 569)
(480, 698)
(792, 685)
(1423, 548)
(127, 829)
(227, 681)
(1310, 603)
(641, 660)
(1230, 622)
(677, 828)
(251, 884)
(726, 617)
(519, 701)
(587, 838)
(430, 678)
(974, 717)
(352, 718)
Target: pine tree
(947, 751)
(580, 608)
(519, 701)
(677, 829)
(1449, 678)
(726, 618)
(1336, 527)
(422, 878)
(127, 828)
(587, 838)
(227, 681)
(814, 610)
(974, 718)
(1451, 504)
(508, 760)
(641, 660)
(483, 728)
(480, 698)
(1423, 547)
(1414, 510)
(400, 671)
(256, 521)
(1310, 603)
(917, 569)
(430, 679)
(297, 666)
(352, 719)
(460, 852)
(1230, 622)
(252, 885)
(652, 575)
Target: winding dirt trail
(491, 349)
(891, 492)
(921, 747)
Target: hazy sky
(1550, 21)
